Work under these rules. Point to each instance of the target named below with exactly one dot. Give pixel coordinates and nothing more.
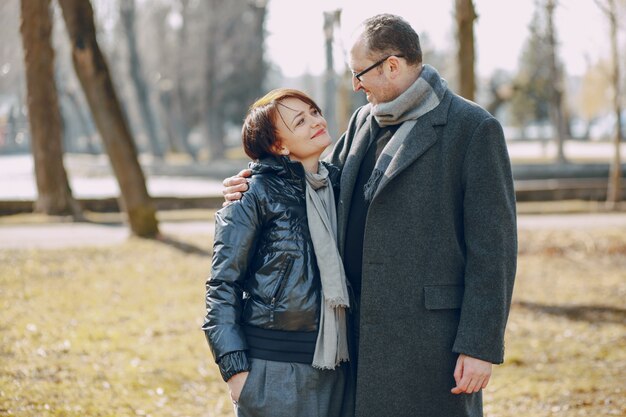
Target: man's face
(374, 83)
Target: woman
(277, 295)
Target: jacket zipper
(281, 284)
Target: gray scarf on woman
(331, 347)
(421, 97)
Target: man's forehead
(357, 53)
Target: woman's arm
(237, 228)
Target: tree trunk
(127, 14)
(615, 178)
(180, 103)
(165, 112)
(12, 129)
(94, 77)
(85, 124)
(213, 112)
(331, 18)
(214, 128)
(170, 113)
(465, 17)
(54, 193)
(556, 82)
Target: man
(427, 232)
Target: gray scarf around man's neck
(421, 97)
(331, 347)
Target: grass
(107, 332)
(115, 331)
(566, 338)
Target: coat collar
(285, 167)
(424, 136)
(421, 137)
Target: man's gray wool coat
(439, 259)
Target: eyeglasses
(374, 65)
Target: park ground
(112, 328)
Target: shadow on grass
(184, 247)
(588, 313)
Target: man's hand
(235, 385)
(235, 187)
(471, 375)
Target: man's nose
(356, 84)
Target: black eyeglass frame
(374, 65)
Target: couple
(378, 282)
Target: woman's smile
(318, 133)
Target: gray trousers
(286, 389)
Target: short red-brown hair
(258, 133)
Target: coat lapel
(419, 140)
(350, 172)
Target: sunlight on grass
(566, 338)
(107, 332)
(115, 331)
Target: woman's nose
(316, 121)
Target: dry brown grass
(107, 332)
(566, 338)
(116, 331)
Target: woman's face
(301, 130)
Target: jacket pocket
(441, 297)
(283, 275)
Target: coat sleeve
(237, 229)
(491, 244)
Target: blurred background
(120, 118)
(182, 74)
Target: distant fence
(592, 189)
(532, 183)
(547, 182)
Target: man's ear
(394, 66)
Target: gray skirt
(287, 389)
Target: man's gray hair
(387, 34)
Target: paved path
(64, 235)
(572, 221)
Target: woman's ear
(279, 149)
